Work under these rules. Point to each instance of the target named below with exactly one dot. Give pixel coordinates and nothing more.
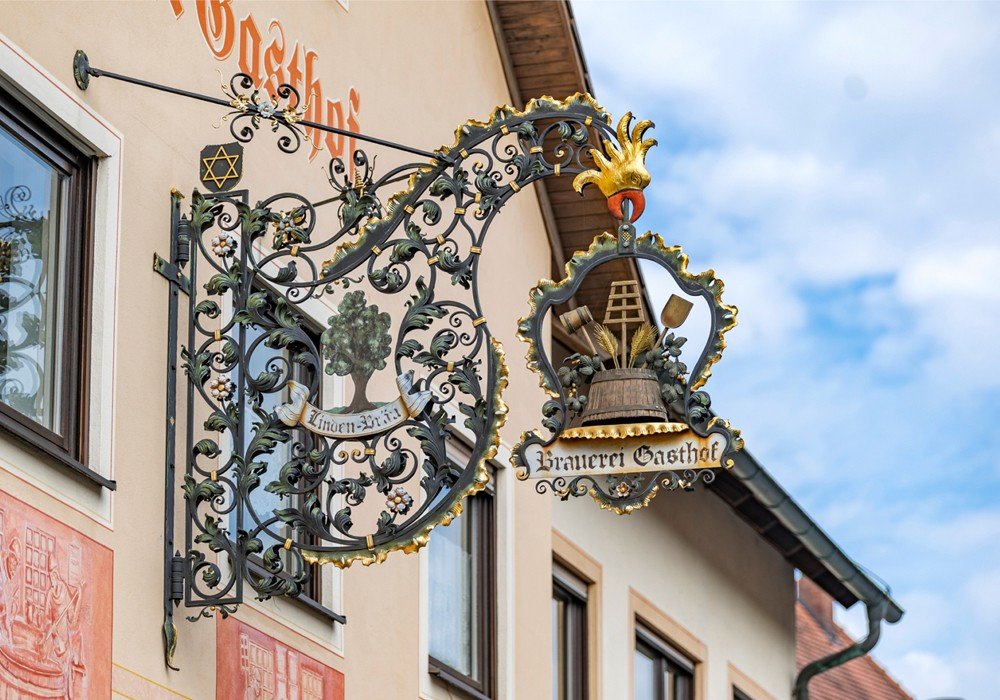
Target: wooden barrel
(628, 395)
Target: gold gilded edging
(627, 509)
(497, 118)
(734, 433)
(602, 432)
(481, 480)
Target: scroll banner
(646, 453)
(298, 411)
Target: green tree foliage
(356, 343)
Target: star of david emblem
(221, 166)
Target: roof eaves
(772, 496)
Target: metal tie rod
(83, 71)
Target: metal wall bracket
(172, 273)
(177, 573)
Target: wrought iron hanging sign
(276, 473)
(287, 300)
(630, 418)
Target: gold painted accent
(459, 211)
(294, 250)
(479, 482)
(514, 186)
(738, 443)
(376, 250)
(432, 261)
(504, 129)
(370, 541)
(440, 239)
(288, 544)
(217, 335)
(612, 432)
(408, 209)
(475, 250)
(174, 192)
(479, 197)
(464, 153)
(369, 451)
(624, 168)
(479, 321)
(214, 475)
(627, 509)
(556, 168)
(450, 367)
(588, 121)
(535, 149)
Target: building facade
(522, 596)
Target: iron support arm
(83, 71)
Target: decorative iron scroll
(275, 478)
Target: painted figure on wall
(254, 666)
(55, 610)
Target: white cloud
(838, 164)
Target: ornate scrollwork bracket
(273, 478)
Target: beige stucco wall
(697, 562)
(421, 69)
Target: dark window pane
(261, 501)
(661, 672)
(461, 581)
(452, 596)
(569, 640)
(646, 669)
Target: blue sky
(838, 165)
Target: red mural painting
(254, 666)
(55, 608)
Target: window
(45, 249)
(569, 635)
(462, 579)
(661, 672)
(262, 501)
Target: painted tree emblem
(356, 343)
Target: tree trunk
(360, 401)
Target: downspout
(876, 614)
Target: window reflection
(32, 220)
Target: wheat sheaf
(608, 342)
(642, 340)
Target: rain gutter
(880, 606)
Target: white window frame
(61, 106)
